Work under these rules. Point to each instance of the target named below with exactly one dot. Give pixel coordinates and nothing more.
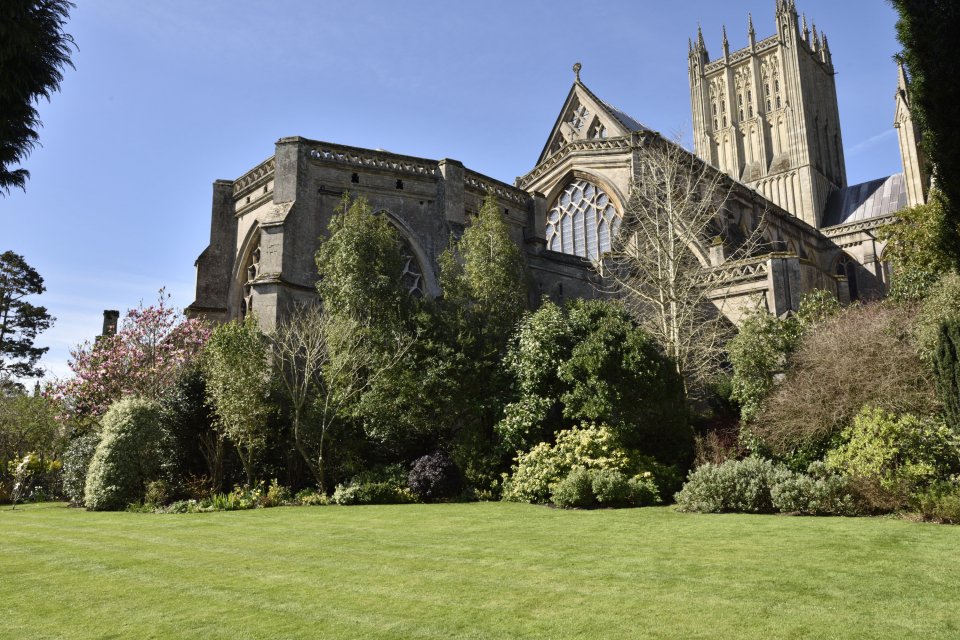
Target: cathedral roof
(873, 199)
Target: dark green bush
(946, 365)
(610, 487)
(575, 491)
(127, 456)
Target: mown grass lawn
(485, 570)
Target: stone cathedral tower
(767, 114)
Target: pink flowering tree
(150, 349)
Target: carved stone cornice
(600, 144)
(367, 159)
(740, 271)
(859, 226)
(260, 173)
(479, 183)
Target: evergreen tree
(20, 321)
(946, 365)
(928, 30)
(34, 51)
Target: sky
(169, 95)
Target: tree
(361, 264)
(928, 29)
(324, 364)
(658, 263)
(34, 51)
(592, 363)
(946, 367)
(237, 368)
(144, 358)
(20, 321)
(27, 426)
(483, 277)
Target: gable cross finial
(576, 70)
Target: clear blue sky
(168, 96)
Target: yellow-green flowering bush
(587, 447)
(903, 452)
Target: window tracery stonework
(582, 221)
(251, 271)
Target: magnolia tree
(151, 348)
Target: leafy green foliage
(34, 51)
(20, 321)
(371, 493)
(903, 452)
(591, 362)
(237, 370)
(762, 348)
(589, 447)
(575, 491)
(941, 304)
(946, 365)
(27, 425)
(76, 463)
(127, 456)
(819, 492)
(483, 276)
(360, 264)
(928, 29)
(915, 246)
(741, 486)
(540, 472)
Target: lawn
(484, 570)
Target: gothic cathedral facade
(766, 116)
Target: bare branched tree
(325, 363)
(659, 262)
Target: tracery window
(251, 271)
(412, 277)
(582, 221)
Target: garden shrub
(742, 486)
(825, 387)
(903, 453)
(157, 493)
(610, 488)
(590, 361)
(126, 458)
(311, 498)
(588, 447)
(817, 492)
(940, 502)
(76, 463)
(435, 477)
(371, 493)
(644, 491)
(575, 491)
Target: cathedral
(765, 116)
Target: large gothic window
(582, 221)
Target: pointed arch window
(582, 221)
(847, 266)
